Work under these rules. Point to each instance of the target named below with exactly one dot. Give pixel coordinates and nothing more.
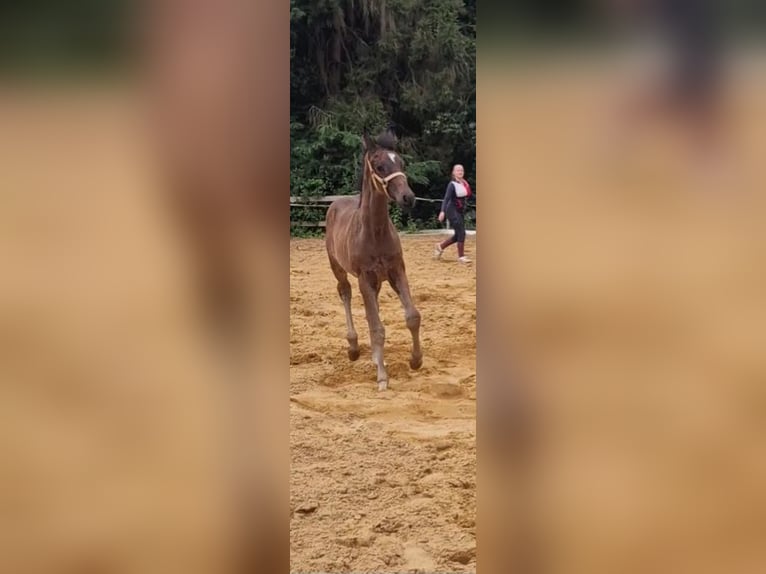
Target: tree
(366, 64)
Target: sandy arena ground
(383, 481)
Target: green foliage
(470, 219)
(396, 215)
(322, 163)
(361, 65)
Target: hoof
(416, 363)
(382, 385)
(353, 354)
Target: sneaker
(438, 251)
(463, 259)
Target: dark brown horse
(362, 241)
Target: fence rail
(296, 200)
(324, 201)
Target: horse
(361, 240)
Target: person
(453, 208)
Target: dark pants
(458, 224)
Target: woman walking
(453, 208)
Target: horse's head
(386, 169)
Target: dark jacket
(452, 205)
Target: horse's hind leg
(344, 290)
(398, 281)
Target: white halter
(383, 181)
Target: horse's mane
(387, 140)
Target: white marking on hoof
(382, 385)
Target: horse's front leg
(370, 287)
(398, 280)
